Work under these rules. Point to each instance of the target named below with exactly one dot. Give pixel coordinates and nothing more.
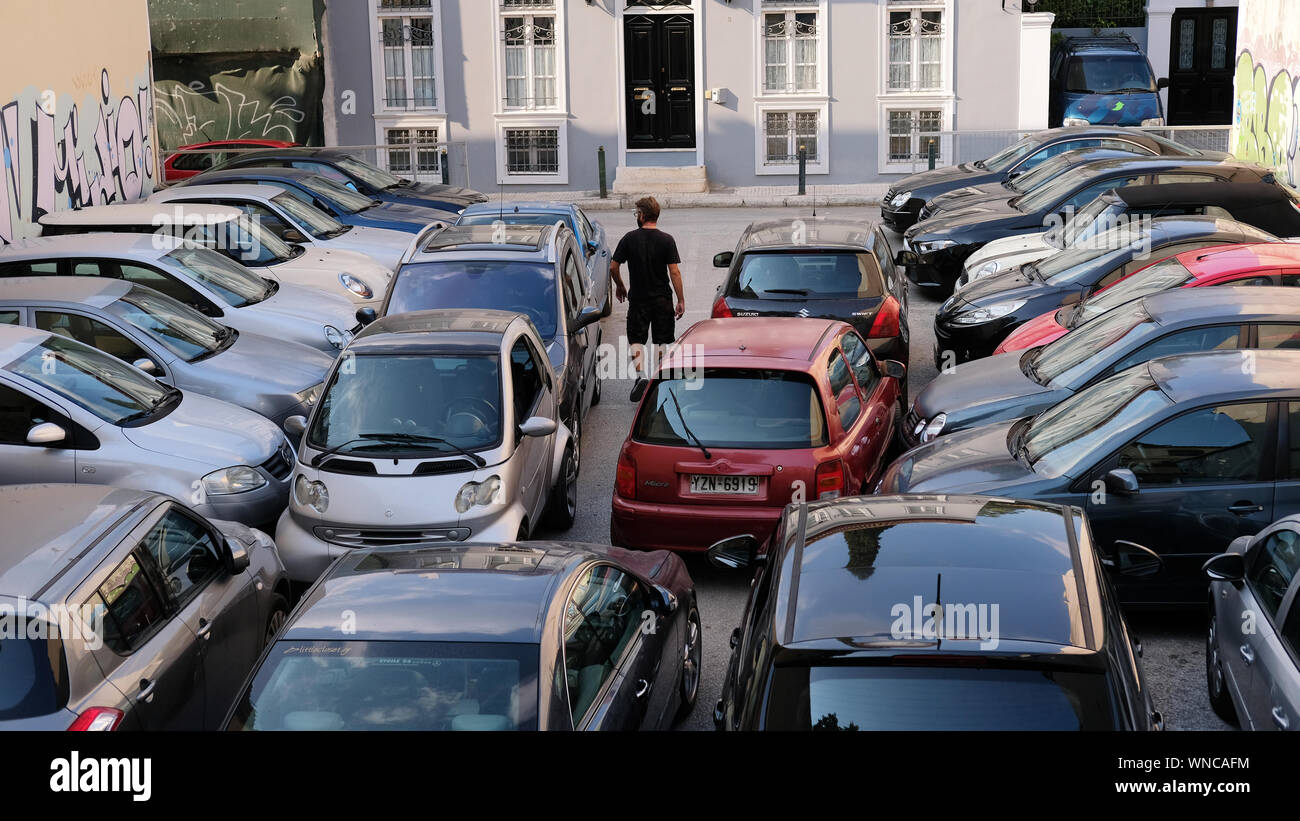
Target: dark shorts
(653, 318)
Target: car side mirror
(1162, 83)
(1133, 560)
(905, 258)
(723, 260)
(587, 316)
(292, 235)
(537, 426)
(894, 368)
(146, 365)
(1122, 481)
(735, 553)
(665, 601)
(296, 425)
(593, 246)
(1226, 567)
(46, 433)
(366, 315)
(236, 557)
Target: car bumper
(966, 342)
(938, 268)
(685, 528)
(903, 218)
(255, 508)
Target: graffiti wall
(1266, 121)
(76, 110)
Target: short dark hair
(649, 208)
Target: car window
(575, 291)
(847, 400)
(861, 361)
(837, 372)
(1293, 423)
(127, 607)
(269, 219)
(92, 332)
(1258, 281)
(19, 413)
(1195, 340)
(587, 228)
(184, 552)
(526, 377)
(1222, 444)
(1095, 190)
(1171, 178)
(197, 160)
(519, 287)
(1279, 337)
(817, 274)
(29, 268)
(1271, 566)
(326, 171)
(1057, 149)
(1291, 630)
(1109, 74)
(8, 317)
(601, 618)
(159, 281)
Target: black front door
(1202, 61)
(660, 72)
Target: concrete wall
(76, 122)
(1266, 124)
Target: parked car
(434, 426)
(536, 271)
(590, 233)
(536, 636)
(1175, 454)
(1012, 385)
(189, 160)
(823, 268)
(1103, 80)
(1270, 208)
(150, 615)
(837, 634)
(360, 176)
(905, 199)
(296, 222)
(334, 198)
(1263, 264)
(201, 278)
(1252, 675)
(228, 231)
(936, 250)
(974, 321)
(175, 344)
(742, 417)
(72, 414)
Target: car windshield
(1162, 276)
(1050, 193)
(800, 275)
(1060, 437)
(1109, 74)
(733, 408)
(430, 402)
(317, 222)
(33, 675)
(1044, 173)
(514, 218)
(91, 379)
(392, 685)
(1098, 216)
(368, 173)
(344, 198)
(1073, 264)
(177, 327)
(526, 288)
(243, 240)
(1073, 357)
(1007, 156)
(899, 697)
(234, 283)
(1174, 148)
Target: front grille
(280, 465)
(889, 197)
(440, 468)
(353, 466)
(926, 211)
(380, 537)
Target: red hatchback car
(742, 417)
(1267, 263)
(180, 166)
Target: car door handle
(205, 629)
(146, 690)
(1280, 719)
(1246, 507)
(1247, 654)
(642, 688)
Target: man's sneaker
(638, 389)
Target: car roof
(139, 213)
(510, 239)
(860, 557)
(791, 342)
(1165, 164)
(461, 329)
(47, 528)
(812, 232)
(1112, 44)
(458, 592)
(1184, 225)
(1227, 194)
(99, 244)
(214, 191)
(93, 292)
(1200, 305)
(1222, 259)
(520, 206)
(1219, 375)
(215, 175)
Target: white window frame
(561, 126)
(410, 125)
(822, 9)
(946, 72)
(377, 13)
(942, 99)
(761, 110)
(944, 106)
(558, 11)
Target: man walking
(652, 259)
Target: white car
(244, 240)
(205, 280)
(295, 221)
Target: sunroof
(486, 235)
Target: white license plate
(738, 485)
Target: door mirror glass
(735, 553)
(1226, 567)
(905, 258)
(537, 426)
(236, 556)
(722, 260)
(588, 316)
(146, 365)
(46, 433)
(296, 424)
(1122, 481)
(895, 369)
(664, 600)
(291, 235)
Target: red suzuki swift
(744, 416)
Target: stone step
(690, 179)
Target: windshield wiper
(272, 288)
(416, 438)
(1131, 90)
(686, 427)
(979, 164)
(1031, 270)
(1029, 363)
(1019, 449)
(153, 408)
(325, 454)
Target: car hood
(990, 216)
(272, 365)
(409, 212)
(976, 460)
(309, 304)
(993, 388)
(970, 195)
(1000, 287)
(322, 265)
(1038, 331)
(209, 431)
(1008, 248)
(927, 184)
(447, 193)
(384, 245)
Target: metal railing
(440, 162)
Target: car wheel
(563, 507)
(896, 447)
(1215, 683)
(692, 654)
(279, 615)
(595, 388)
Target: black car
(818, 267)
(1015, 384)
(934, 250)
(527, 636)
(905, 198)
(841, 630)
(978, 317)
(360, 176)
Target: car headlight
(1153, 122)
(935, 245)
(335, 337)
(309, 396)
(232, 480)
(900, 199)
(356, 286)
(478, 494)
(987, 268)
(931, 429)
(1075, 122)
(312, 494)
(987, 313)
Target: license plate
(738, 485)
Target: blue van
(1104, 81)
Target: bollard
(600, 165)
(446, 172)
(932, 148)
(803, 170)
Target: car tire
(275, 621)
(1215, 684)
(692, 670)
(595, 388)
(562, 508)
(896, 446)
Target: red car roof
(785, 342)
(1220, 260)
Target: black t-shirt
(648, 252)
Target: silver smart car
(170, 341)
(433, 427)
(120, 601)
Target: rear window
(33, 677)
(734, 408)
(799, 275)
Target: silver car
(1252, 648)
(70, 413)
(434, 427)
(135, 613)
(208, 282)
(170, 341)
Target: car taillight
(721, 310)
(625, 478)
(886, 324)
(98, 718)
(830, 480)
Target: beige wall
(76, 114)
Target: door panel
(21, 462)
(659, 71)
